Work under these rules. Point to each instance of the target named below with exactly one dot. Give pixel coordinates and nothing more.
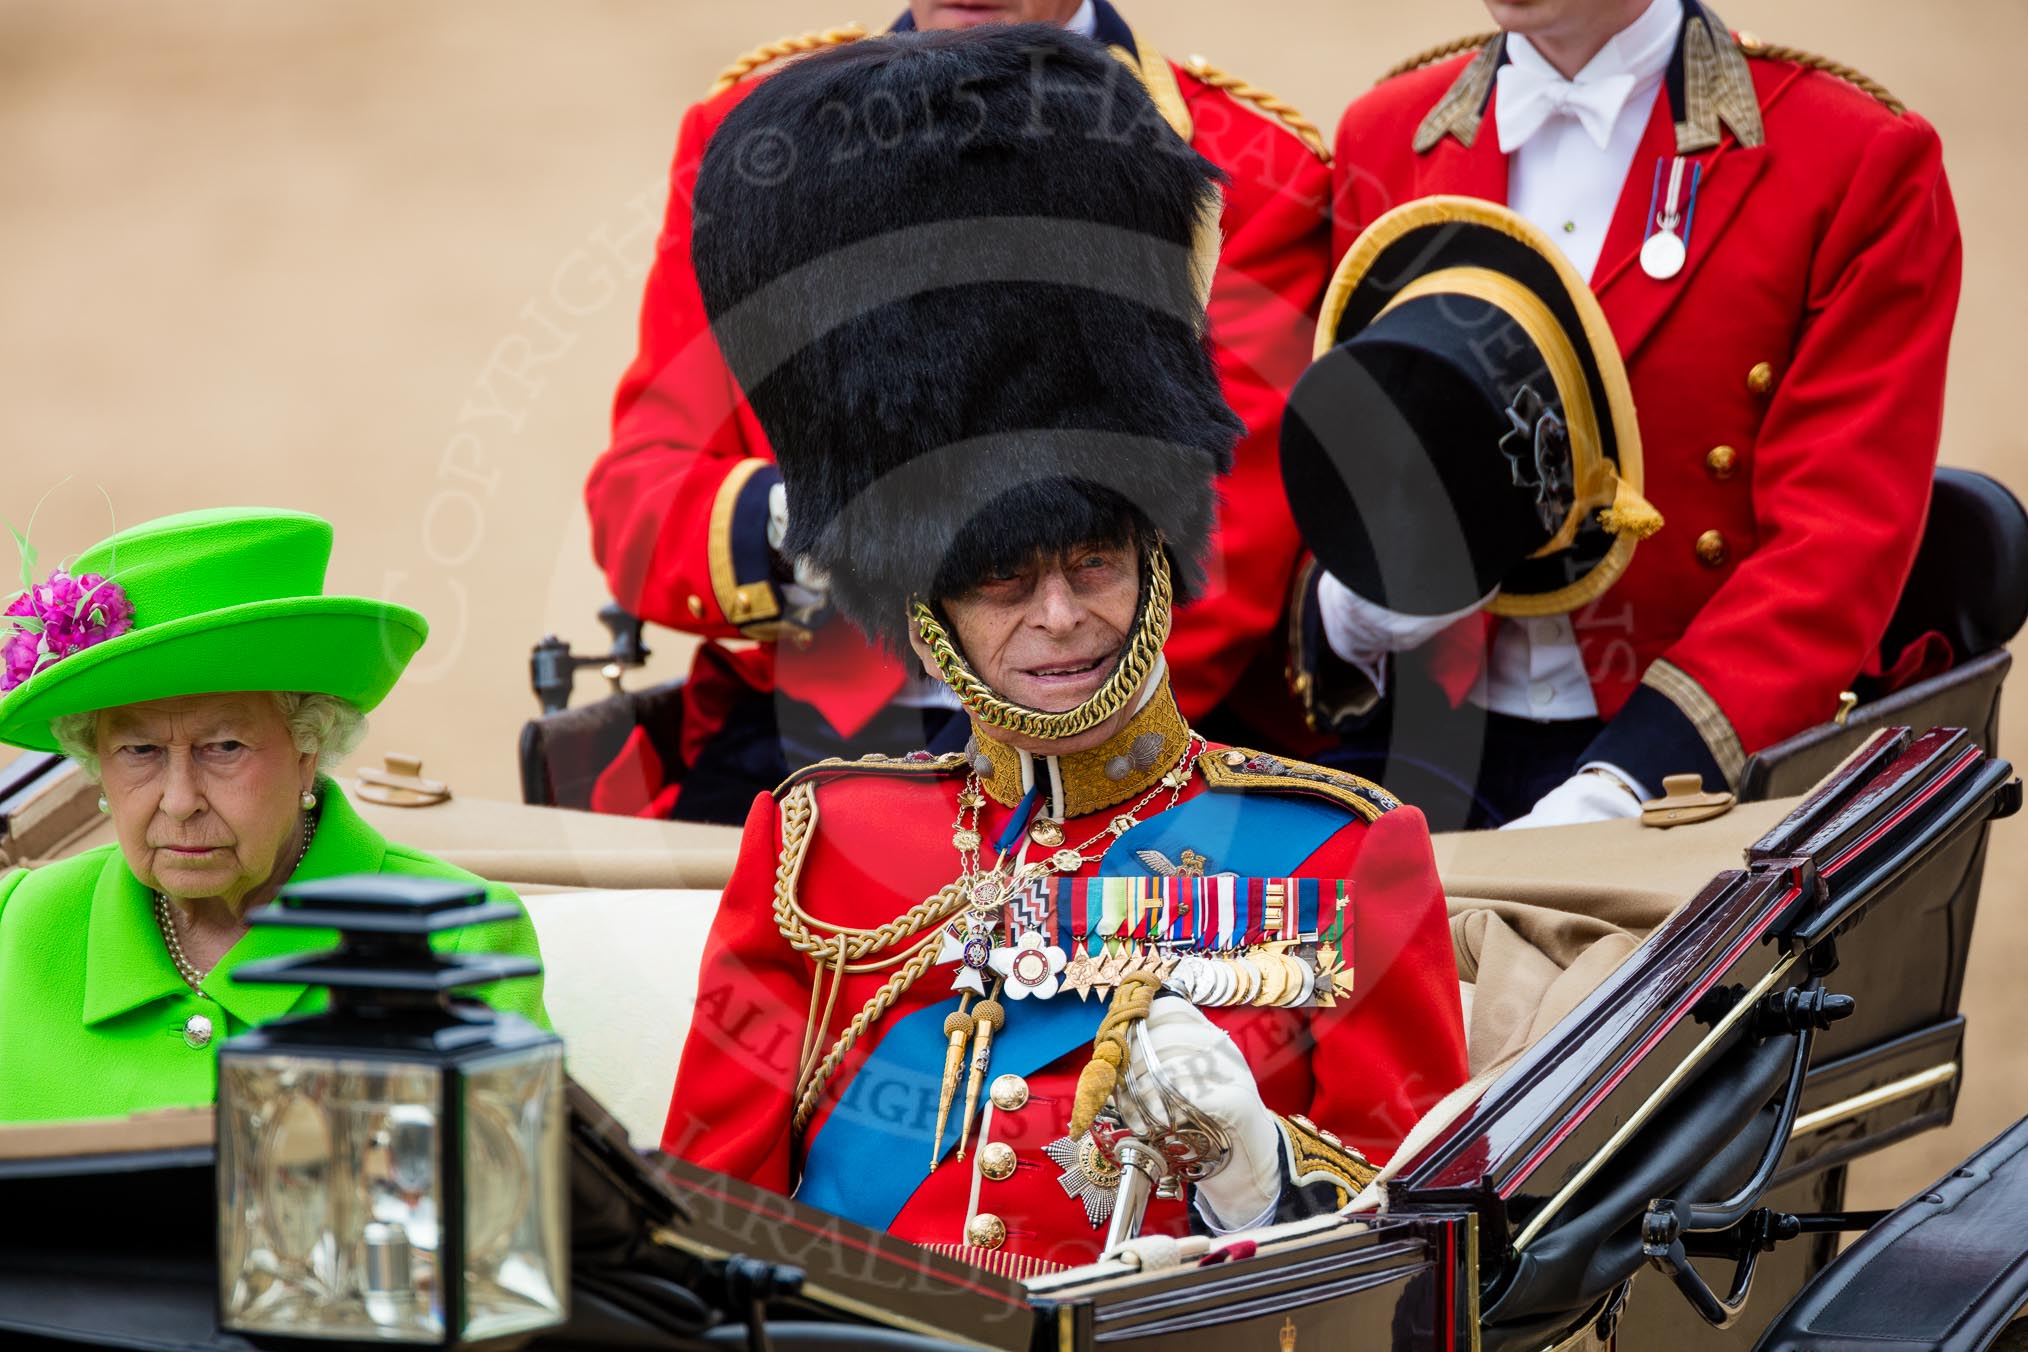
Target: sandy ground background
(381, 261)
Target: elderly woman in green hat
(196, 669)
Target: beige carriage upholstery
(622, 907)
(1538, 918)
(533, 849)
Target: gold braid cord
(882, 1001)
(1768, 51)
(916, 930)
(769, 52)
(1144, 649)
(1136, 991)
(1437, 53)
(1271, 104)
(799, 815)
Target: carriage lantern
(391, 1170)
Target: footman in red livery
(1772, 240)
(948, 996)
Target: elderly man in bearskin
(956, 997)
(686, 503)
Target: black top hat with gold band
(1466, 424)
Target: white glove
(1205, 1069)
(1594, 794)
(812, 585)
(1363, 633)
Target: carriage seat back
(1970, 579)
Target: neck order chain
(166, 922)
(913, 938)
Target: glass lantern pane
(516, 1220)
(329, 1198)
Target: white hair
(324, 724)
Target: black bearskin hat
(961, 277)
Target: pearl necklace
(185, 968)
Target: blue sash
(1256, 835)
(873, 1150)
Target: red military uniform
(880, 841)
(678, 502)
(1788, 380)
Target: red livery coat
(677, 501)
(1788, 382)
(1365, 1069)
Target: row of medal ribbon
(1217, 941)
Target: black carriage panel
(1901, 861)
(1551, 1114)
(1947, 1271)
(1869, 1099)
(1379, 1283)
(1720, 1062)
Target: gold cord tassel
(1630, 514)
(987, 1019)
(957, 1027)
(1136, 992)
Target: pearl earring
(308, 800)
(104, 806)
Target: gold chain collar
(1122, 766)
(1143, 651)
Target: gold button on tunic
(1711, 548)
(996, 1161)
(985, 1231)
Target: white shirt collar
(1084, 23)
(1642, 49)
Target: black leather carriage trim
(1945, 1272)
(915, 765)
(1237, 767)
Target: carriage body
(1694, 1111)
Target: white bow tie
(1527, 98)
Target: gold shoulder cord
(1440, 52)
(847, 950)
(1271, 104)
(1768, 51)
(769, 52)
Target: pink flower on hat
(53, 619)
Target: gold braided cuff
(1316, 1156)
(1144, 650)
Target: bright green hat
(227, 599)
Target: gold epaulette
(1238, 768)
(1767, 51)
(770, 52)
(1272, 106)
(916, 764)
(1320, 1157)
(1440, 52)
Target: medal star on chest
(1087, 1176)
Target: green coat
(92, 1011)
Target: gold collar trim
(1717, 89)
(1463, 105)
(1158, 77)
(1126, 764)
(1718, 92)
